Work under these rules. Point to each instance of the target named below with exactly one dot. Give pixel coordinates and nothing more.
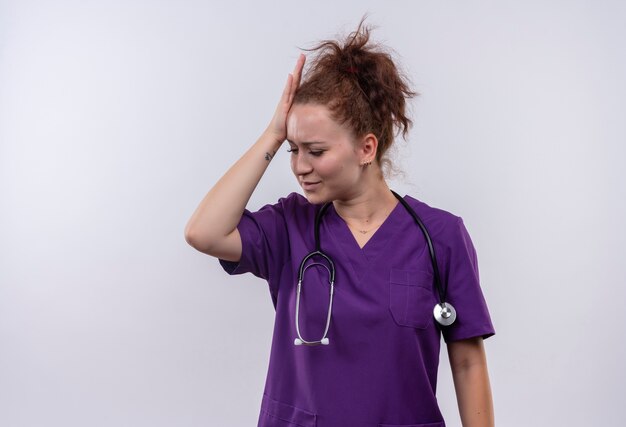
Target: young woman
(363, 350)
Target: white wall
(117, 117)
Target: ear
(368, 148)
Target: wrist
(271, 138)
(268, 145)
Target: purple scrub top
(380, 367)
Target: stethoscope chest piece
(444, 314)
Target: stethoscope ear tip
(325, 341)
(297, 341)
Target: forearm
(216, 218)
(474, 395)
(221, 209)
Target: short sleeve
(264, 243)
(463, 288)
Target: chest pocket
(411, 297)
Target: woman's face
(324, 158)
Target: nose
(299, 164)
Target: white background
(117, 117)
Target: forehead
(312, 122)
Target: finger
(295, 82)
(287, 90)
(297, 74)
(295, 68)
(298, 65)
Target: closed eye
(315, 153)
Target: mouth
(309, 186)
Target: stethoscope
(444, 312)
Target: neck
(367, 206)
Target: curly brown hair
(359, 83)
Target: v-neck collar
(362, 259)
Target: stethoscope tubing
(440, 290)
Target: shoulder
(294, 208)
(443, 226)
(295, 202)
(436, 217)
(290, 202)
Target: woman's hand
(278, 126)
